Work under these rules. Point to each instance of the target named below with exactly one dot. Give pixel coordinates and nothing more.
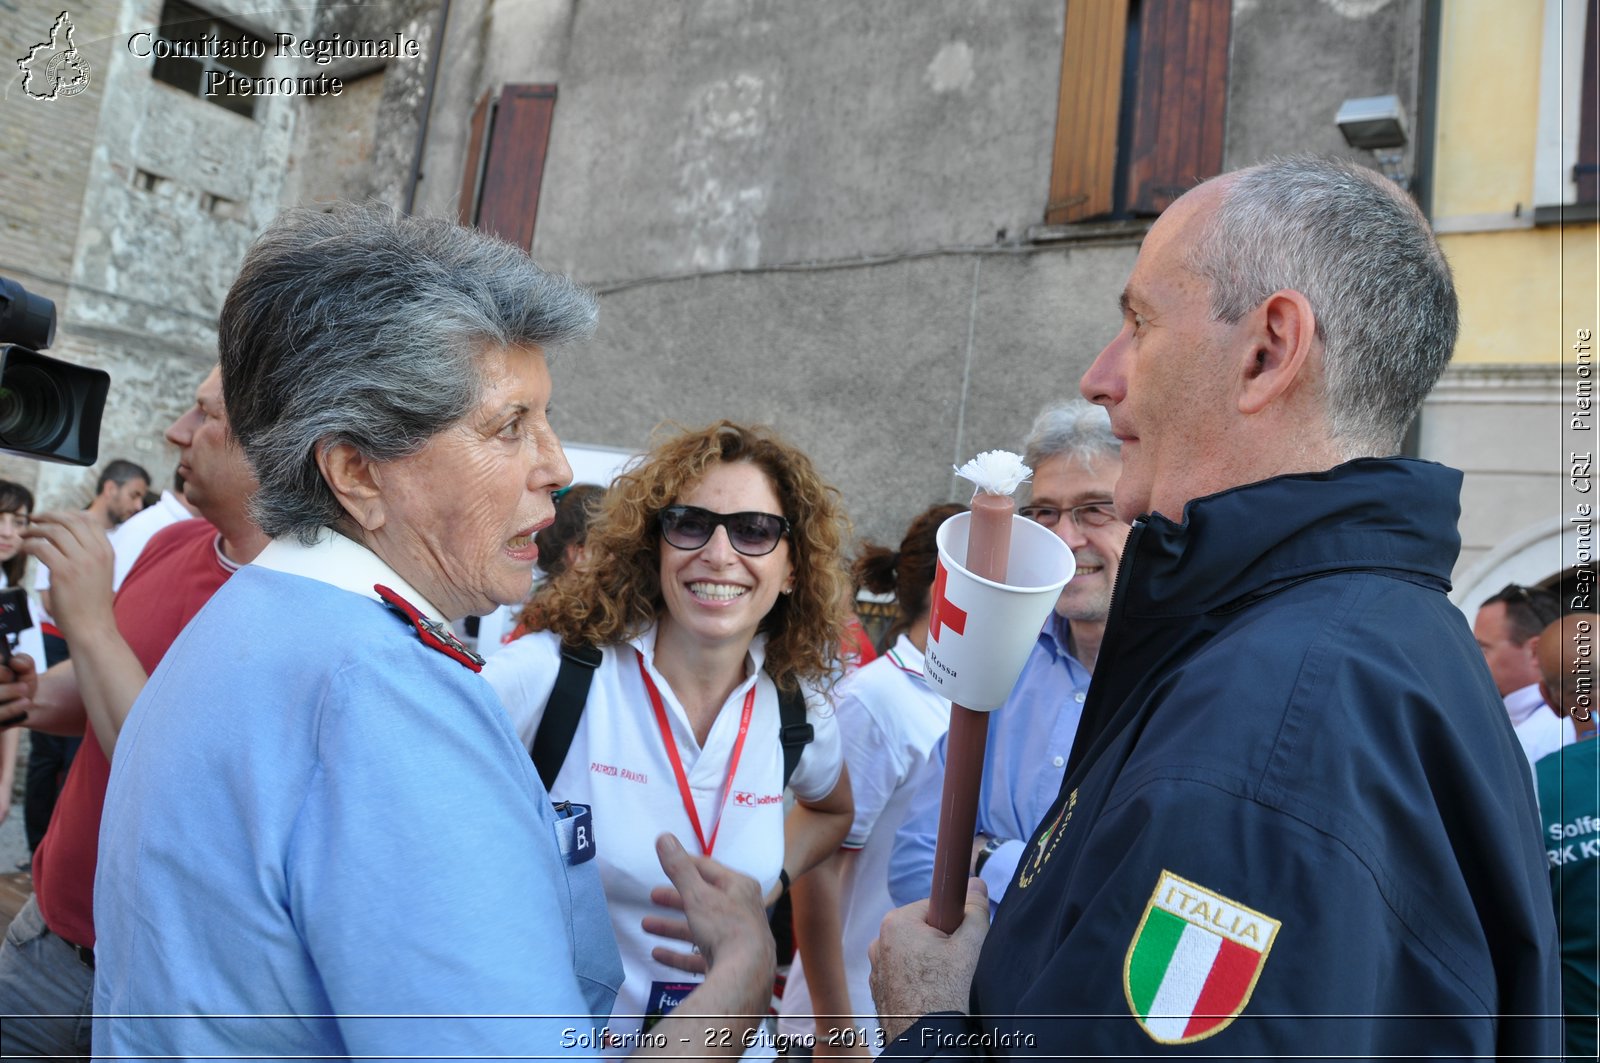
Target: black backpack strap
(559, 723)
(793, 731)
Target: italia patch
(1194, 961)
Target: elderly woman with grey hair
(321, 835)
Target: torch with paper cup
(985, 617)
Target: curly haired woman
(713, 580)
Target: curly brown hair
(616, 593)
(575, 509)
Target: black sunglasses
(751, 534)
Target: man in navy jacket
(1295, 821)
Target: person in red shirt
(47, 959)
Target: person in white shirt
(119, 494)
(128, 539)
(890, 718)
(713, 580)
(1507, 628)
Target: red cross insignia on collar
(433, 634)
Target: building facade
(895, 230)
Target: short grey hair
(362, 326)
(1077, 429)
(1356, 246)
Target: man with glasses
(1075, 461)
(1507, 629)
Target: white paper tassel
(995, 472)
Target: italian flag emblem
(1194, 961)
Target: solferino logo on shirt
(1194, 961)
(746, 799)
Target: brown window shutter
(1587, 169)
(1083, 171)
(1180, 100)
(508, 201)
(472, 173)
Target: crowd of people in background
(389, 840)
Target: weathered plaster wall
(886, 374)
(729, 134)
(1296, 61)
(811, 214)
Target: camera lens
(33, 411)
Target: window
(505, 161)
(1586, 167)
(1144, 88)
(190, 44)
(1564, 168)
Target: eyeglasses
(1089, 515)
(751, 534)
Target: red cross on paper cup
(943, 613)
(980, 632)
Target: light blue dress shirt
(322, 838)
(1030, 737)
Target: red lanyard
(677, 762)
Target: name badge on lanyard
(663, 998)
(575, 832)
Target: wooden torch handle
(988, 548)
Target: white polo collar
(1521, 704)
(344, 563)
(755, 657)
(907, 657)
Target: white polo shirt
(618, 765)
(129, 538)
(1540, 729)
(889, 719)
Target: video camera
(49, 409)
